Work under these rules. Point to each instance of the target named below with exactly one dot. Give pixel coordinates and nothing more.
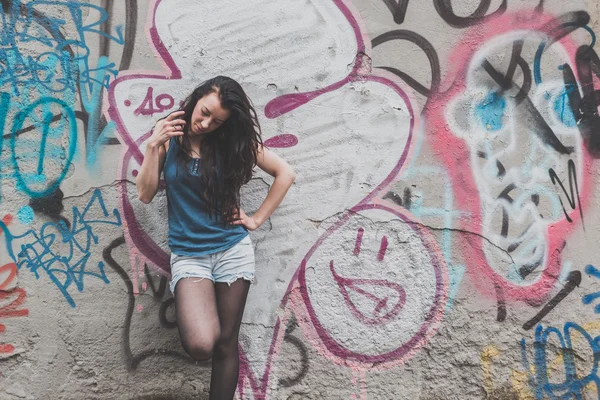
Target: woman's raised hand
(166, 128)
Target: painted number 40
(150, 105)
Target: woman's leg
(226, 362)
(197, 318)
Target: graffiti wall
(441, 240)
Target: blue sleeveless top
(192, 232)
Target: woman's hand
(166, 128)
(148, 178)
(240, 218)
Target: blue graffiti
(92, 103)
(66, 62)
(67, 124)
(63, 252)
(491, 110)
(26, 215)
(4, 105)
(574, 383)
(537, 62)
(563, 109)
(59, 71)
(589, 298)
(445, 211)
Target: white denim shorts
(226, 266)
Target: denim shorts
(225, 266)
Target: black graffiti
(131, 10)
(162, 314)
(564, 25)
(541, 127)
(445, 10)
(540, 7)
(585, 108)
(162, 286)
(126, 54)
(571, 195)
(505, 81)
(526, 109)
(50, 205)
(505, 219)
(81, 115)
(159, 293)
(527, 269)
(560, 27)
(132, 361)
(573, 281)
(297, 343)
(398, 9)
(404, 201)
(429, 51)
(501, 315)
(501, 169)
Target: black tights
(209, 318)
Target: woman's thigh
(197, 317)
(233, 273)
(231, 301)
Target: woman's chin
(197, 133)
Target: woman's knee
(227, 344)
(200, 350)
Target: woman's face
(208, 115)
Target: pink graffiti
(281, 141)
(339, 353)
(296, 300)
(137, 238)
(151, 106)
(454, 154)
(382, 249)
(346, 284)
(359, 237)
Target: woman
(207, 151)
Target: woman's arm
(148, 178)
(275, 166)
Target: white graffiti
(515, 136)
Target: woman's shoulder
(170, 142)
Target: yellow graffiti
(520, 379)
(520, 384)
(486, 363)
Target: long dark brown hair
(228, 154)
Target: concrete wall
(439, 241)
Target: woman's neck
(195, 146)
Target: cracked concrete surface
(422, 253)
